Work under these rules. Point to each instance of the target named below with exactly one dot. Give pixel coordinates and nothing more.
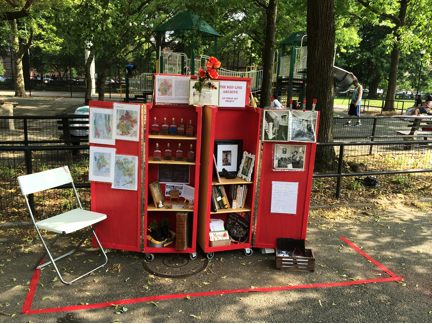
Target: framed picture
(208, 96)
(125, 172)
(156, 193)
(276, 125)
(227, 154)
(246, 166)
(303, 126)
(127, 122)
(101, 126)
(101, 164)
(289, 157)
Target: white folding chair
(62, 224)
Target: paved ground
(399, 238)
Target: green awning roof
(187, 21)
(295, 38)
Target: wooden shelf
(175, 137)
(246, 208)
(150, 160)
(170, 203)
(225, 181)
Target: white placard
(127, 122)
(101, 126)
(102, 162)
(284, 197)
(172, 89)
(232, 93)
(188, 192)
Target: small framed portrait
(246, 166)
(276, 125)
(289, 157)
(303, 126)
(227, 154)
(157, 194)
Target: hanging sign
(232, 93)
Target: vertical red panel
(121, 229)
(270, 226)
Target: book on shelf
(228, 196)
(181, 231)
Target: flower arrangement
(210, 73)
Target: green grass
(407, 103)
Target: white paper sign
(232, 93)
(171, 89)
(284, 197)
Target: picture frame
(156, 193)
(227, 154)
(101, 164)
(246, 166)
(303, 126)
(127, 122)
(276, 124)
(289, 157)
(101, 126)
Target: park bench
(416, 124)
(75, 130)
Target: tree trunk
(88, 77)
(373, 87)
(269, 48)
(321, 41)
(17, 58)
(391, 90)
(101, 84)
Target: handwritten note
(284, 197)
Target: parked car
(47, 80)
(402, 95)
(84, 110)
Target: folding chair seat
(64, 223)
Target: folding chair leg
(69, 253)
(45, 253)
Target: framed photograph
(208, 96)
(289, 157)
(228, 154)
(127, 122)
(303, 126)
(101, 164)
(246, 166)
(276, 125)
(101, 126)
(156, 193)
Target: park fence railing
(35, 144)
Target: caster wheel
(248, 252)
(210, 255)
(193, 256)
(149, 257)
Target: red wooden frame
(227, 123)
(121, 230)
(151, 170)
(270, 226)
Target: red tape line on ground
(26, 309)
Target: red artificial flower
(271, 99)
(212, 73)
(201, 73)
(213, 63)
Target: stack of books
(234, 196)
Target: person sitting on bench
(425, 108)
(418, 103)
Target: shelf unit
(151, 212)
(226, 124)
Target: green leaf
(195, 316)
(153, 303)
(188, 297)
(55, 279)
(47, 297)
(319, 302)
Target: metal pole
(421, 65)
(340, 168)
(373, 135)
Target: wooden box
(296, 263)
(220, 242)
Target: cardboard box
(220, 242)
(219, 238)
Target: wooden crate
(295, 263)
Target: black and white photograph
(173, 186)
(246, 166)
(275, 126)
(303, 126)
(289, 157)
(228, 155)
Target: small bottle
(165, 128)
(190, 155)
(179, 153)
(190, 129)
(168, 153)
(181, 128)
(155, 127)
(157, 153)
(173, 128)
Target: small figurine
(160, 204)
